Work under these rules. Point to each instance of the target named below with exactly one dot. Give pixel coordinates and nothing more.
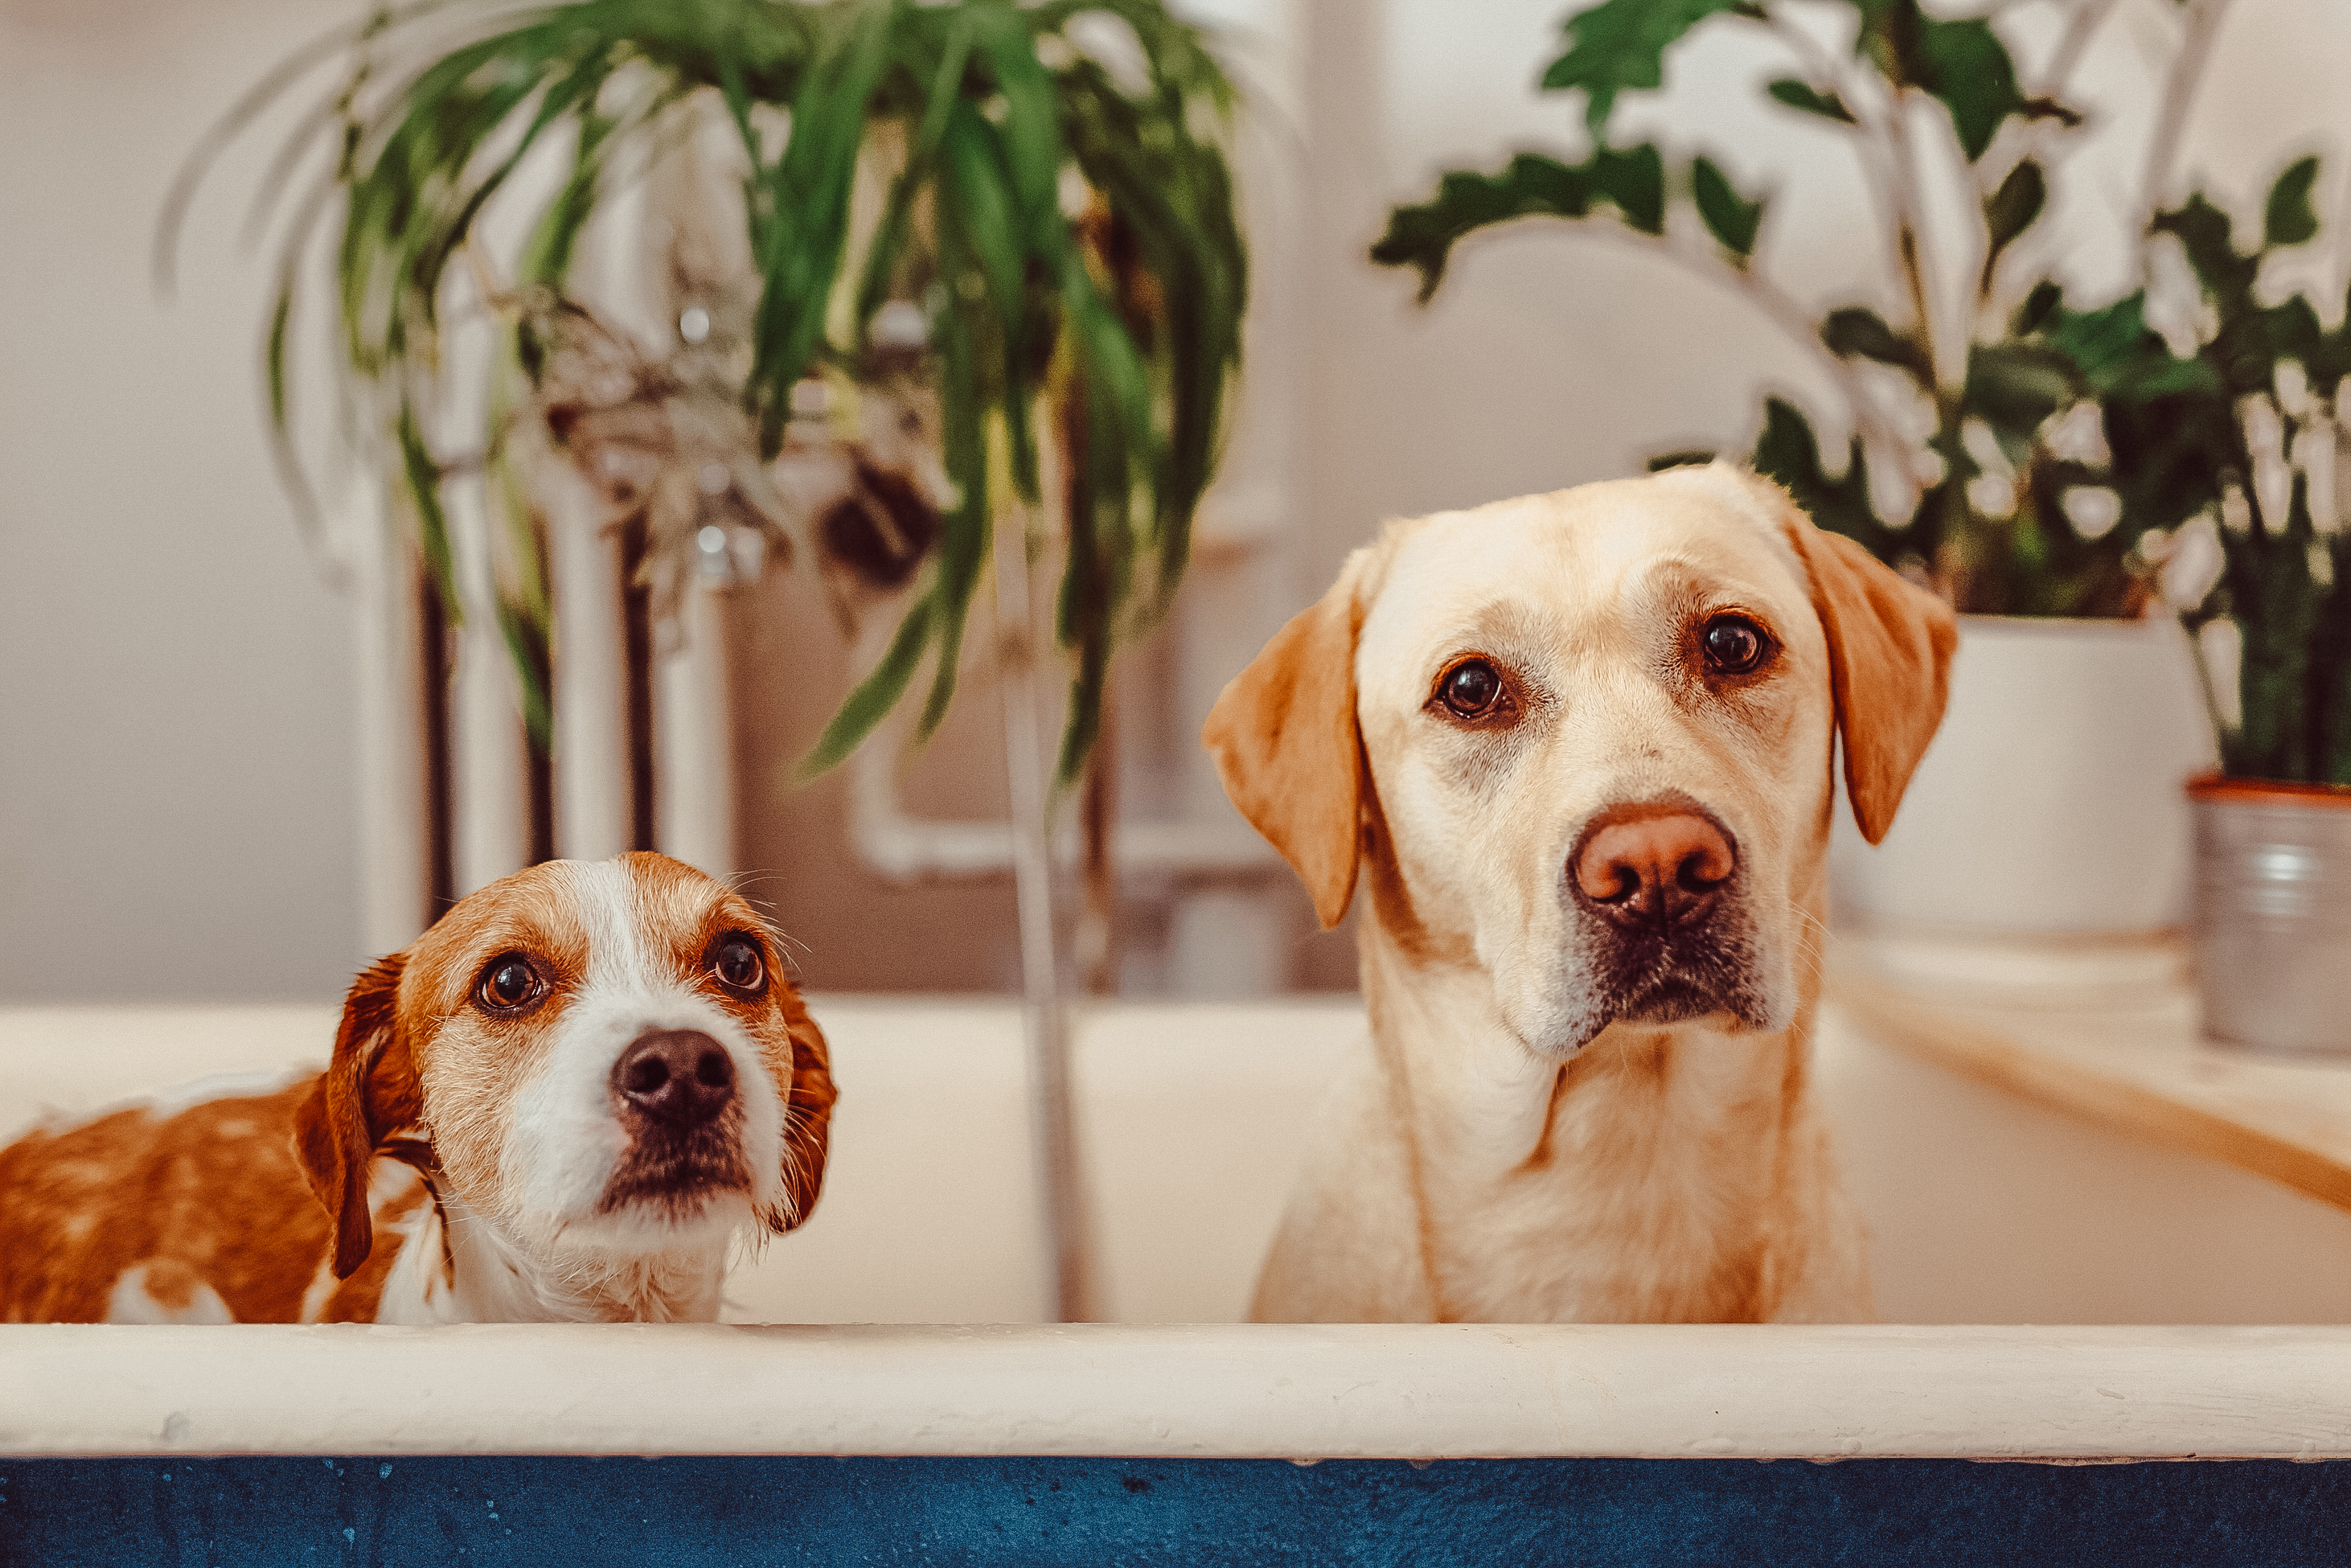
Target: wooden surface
(2109, 1034)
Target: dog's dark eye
(1470, 688)
(1734, 645)
(737, 964)
(509, 983)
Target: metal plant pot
(2273, 914)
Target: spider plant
(1058, 206)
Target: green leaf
(2009, 210)
(2276, 605)
(2046, 296)
(1804, 96)
(526, 645)
(1619, 46)
(2049, 108)
(1635, 179)
(1788, 452)
(975, 181)
(1857, 333)
(1969, 68)
(2288, 219)
(800, 211)
(1689, 457)
(2014, 387)
(1963, 63)
(1031, 128)
(424, 477)
(1730, 217)
(2098, 342)
(876, 695)
(1423, 236)
(2203, 231)
(273, 353)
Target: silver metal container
(2272, 921)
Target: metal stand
(1051, 1128)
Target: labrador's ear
(1890, 646)
(367, 1096)
(1287, 746)
(808, 1115)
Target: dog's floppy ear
(1890, 646)
(1287, 746)
(808, 1115)
(368, 1093)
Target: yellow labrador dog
(1576, 750)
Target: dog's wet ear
(1890, 646)
(369, 1093)
(808, 1117)
(1287, 746)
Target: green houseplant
(2010, 446)
(1052, 206)
(1972, 497)
(2246, 444)
(1066, 232)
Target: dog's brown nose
(1653, 865)
(680, 1076)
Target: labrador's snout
(680, 1076)
(1658, 864)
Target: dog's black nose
(680, 1076)
(1653, 865)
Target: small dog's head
(597, 1058)
(1582, 741)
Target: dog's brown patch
(210, 1197)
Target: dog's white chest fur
(1664, 1176)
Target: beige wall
(176, 774)
(177, 766)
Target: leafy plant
(1062, 215)
(2239, 444)
(1981, 426)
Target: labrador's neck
(1665, 1173)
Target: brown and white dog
(1578, 749)
(562, 1103)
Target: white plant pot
(2049, 802)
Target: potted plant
(2245, 438)
(1026, 209)
(1978, 425)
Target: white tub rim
(1348, 1391)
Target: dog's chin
(1660, 1007)
(1720, 990)
(676, 1218)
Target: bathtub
(2050, 1293)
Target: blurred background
(205, 792)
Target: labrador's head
(1582, 741)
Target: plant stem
(1052, 1137)
(1873, 148)
(1905, 168)
(1097, 942)
(2197, 31)
(2072, 46)
(1892, 170)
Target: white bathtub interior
(1982, 1208)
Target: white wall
(176, 777)
(177, 766)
